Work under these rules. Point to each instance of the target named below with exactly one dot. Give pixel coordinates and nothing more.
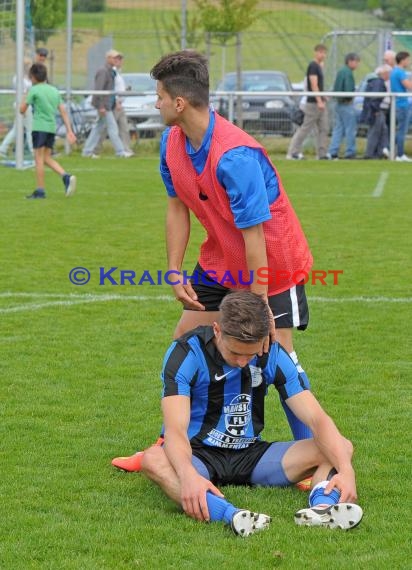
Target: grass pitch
(80, 371)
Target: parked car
(140, 109)
(261, 113)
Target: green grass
(80, 372)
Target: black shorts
(290, 307)
(229, 466)
(41, 139)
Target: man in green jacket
(345, 118)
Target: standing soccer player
(46, 100)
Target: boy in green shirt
(45, 100)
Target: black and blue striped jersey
(227, 403)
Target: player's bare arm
(334, 447)
(71, 137)
(193, 487)
(315, 87)
(23, 107)
(255, 249)
(177, 237)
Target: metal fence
(252, 123)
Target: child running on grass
(46, 100)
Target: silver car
(140, 110)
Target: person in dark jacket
(105, 105)
(374, 114)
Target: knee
(348, 445)
(152, 461)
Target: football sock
(318, 497)
(220, 509)
(299, 429)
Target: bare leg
(51, 163)
(192, 319)
(158, 469)
(285, 338)
(39, 161)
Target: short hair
(401, 55)
(384, 68)
(244, 316)
(42, 51)
(320, 47)
(39, 72)
(184, 73)
(352, 56)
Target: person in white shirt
(10, 138)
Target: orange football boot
(133, 463)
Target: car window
(139, 83)
(254, 82)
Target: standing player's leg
(69, 181)
(39, 149)
(290, 310)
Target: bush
(90, 5)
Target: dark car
(261, 113)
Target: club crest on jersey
(238, 415)
(256, 373)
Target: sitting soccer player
(214, 387)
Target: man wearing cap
(41, 56)
(105, 105)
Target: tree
(225, 19)
(399, 12)
(46, 16)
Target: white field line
(380, 186)
(72, 299)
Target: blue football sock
(219, 509)
(299, 429)
(318, 497)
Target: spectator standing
(401, 84)
(41, 55)
(10, 138)
(119, 114)
(316, 116)
(105, 105)
(374, 114)
(389, 58)
(345, 118)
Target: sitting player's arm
(193, 487)
(334, 447)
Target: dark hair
(244, 316)
(352, 56)
(44, 52)
(320, 47)
(39, 72)
(185, 74)
(401, 55)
